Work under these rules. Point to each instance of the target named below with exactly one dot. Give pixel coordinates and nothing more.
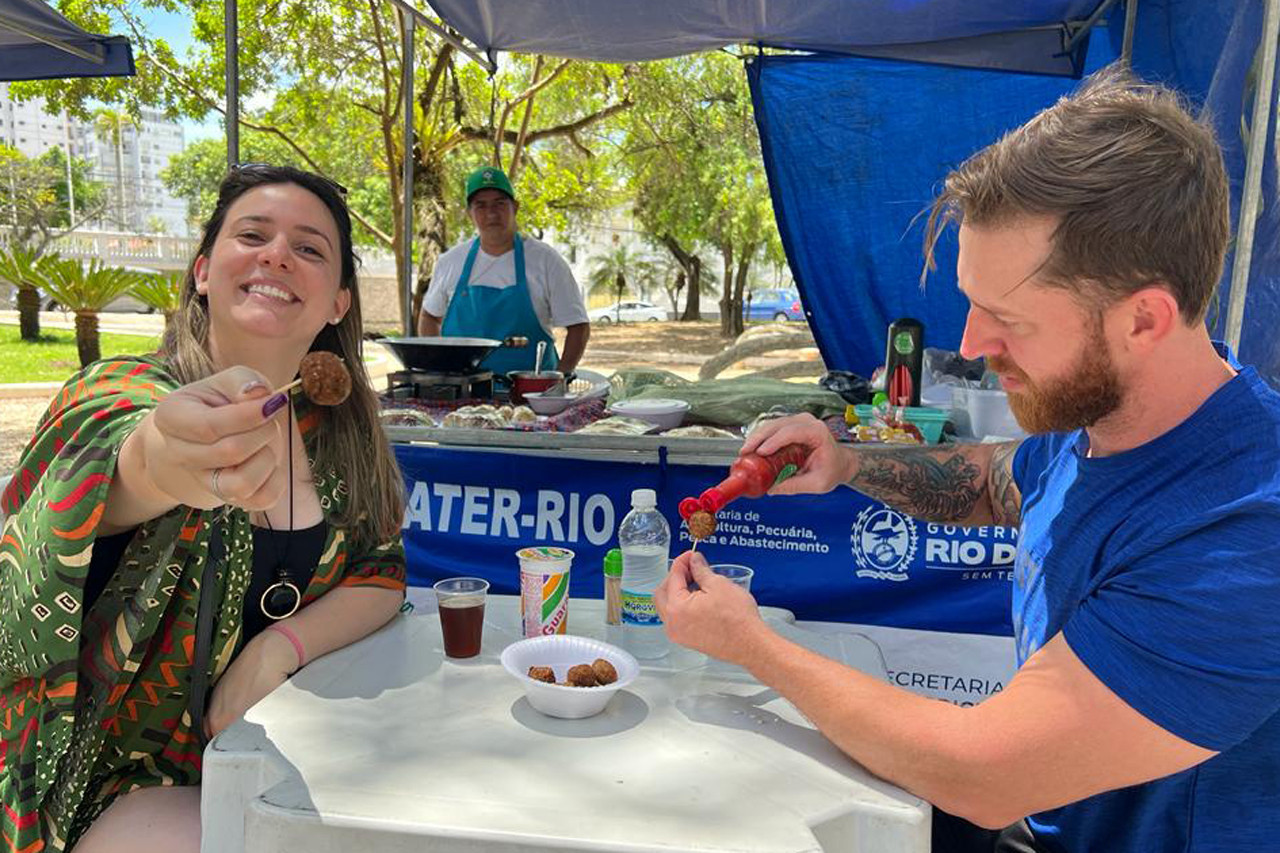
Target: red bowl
(526, 381)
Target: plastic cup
(544, 590)
(741, 575)
(461, 602)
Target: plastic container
(750, 476)
(983, 413)
(663, 414)
(644, 538)
(929, 421)
(561, 652)
(544, 589)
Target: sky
(176, 30)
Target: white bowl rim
(623, 654)
(651, 406)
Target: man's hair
(1136, 185)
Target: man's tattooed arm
(967, 485)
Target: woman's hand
(263, 665)
(827, 466)
(214, 442)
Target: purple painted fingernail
(274, 404)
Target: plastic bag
(725, 402)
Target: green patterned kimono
(95, 704)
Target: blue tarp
(979, 33)
(33, 42)
(856, 149)
(838, 557)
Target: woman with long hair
(181, 537)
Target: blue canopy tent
(855, 140)
(37, 43)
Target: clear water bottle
(645, 539)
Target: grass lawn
(53, 358)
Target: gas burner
(426, 385)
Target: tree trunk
(740, 285)
(87, 342)
(692, 266)
(673, 293)
(432, 233)
(727, 325)
(29, 312)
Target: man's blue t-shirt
(1161, 566)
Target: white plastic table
(389, 746)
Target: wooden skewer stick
(283, 388)
(693, 549)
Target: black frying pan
(446, 354)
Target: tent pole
(406, 172)
(1251, 197)
(231, 53)
(1088, 25)
(1130, 21)
(452, 39)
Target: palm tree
(86, 292)
(20, 267)
(110, 124)
(609, 274)
(161, 291)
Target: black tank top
(299, 550)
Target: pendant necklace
(282, 598)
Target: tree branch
(271, 129)
(471, 133)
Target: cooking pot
(441, 354)
(526, 381)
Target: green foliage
(18, 266)
(614, 273)
(53, 356)
(159, 290)
(80, 288)
(33, 195)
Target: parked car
(627, 312)
(780, 304)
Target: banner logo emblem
(884, 542)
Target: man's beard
(1089, 391)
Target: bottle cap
(613, 563)
(644, 498)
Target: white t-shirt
(555, 295)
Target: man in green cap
(503, 283)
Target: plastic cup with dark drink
(461, 602)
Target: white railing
(160, 251)
(120, 248)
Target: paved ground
(678, 347)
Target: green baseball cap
(489, 178)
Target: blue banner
(839, 557)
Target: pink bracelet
(292, 638)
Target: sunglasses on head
(250, 168)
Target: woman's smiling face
(274, 270)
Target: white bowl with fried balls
(561, 651)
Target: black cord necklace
(282, 598)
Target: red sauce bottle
(750, 476)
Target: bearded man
(1145, 713)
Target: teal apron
(499, 312)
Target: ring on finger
(213, 484)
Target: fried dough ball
(604, 671)
(325, 379)
(581, 675)
(702, 524)
(542, 673)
